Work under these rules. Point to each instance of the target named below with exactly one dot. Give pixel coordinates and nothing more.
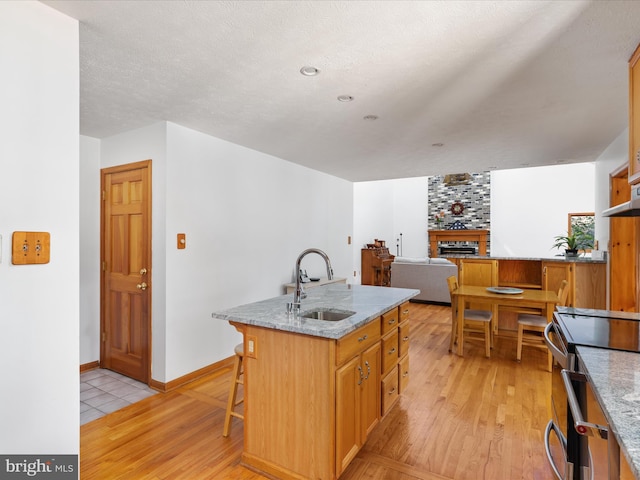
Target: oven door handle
(582, 427)
(558, 354)
(551, 426)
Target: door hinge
(104, 195)
(104, 336)
(104, 266)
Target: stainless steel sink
(327, 314)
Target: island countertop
(368, 302)
(615, 377)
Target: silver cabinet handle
(361, 375)
(547, 446)
(368, 370)
(581, 425)
(392, 351)
(363, 338)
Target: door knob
(141, 286)
(143, 271)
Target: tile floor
(103, 391)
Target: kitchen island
(615, 377)
(314, 389)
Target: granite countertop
(615, 377)
(559, 258)
(367, 301)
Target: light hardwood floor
(460, 418)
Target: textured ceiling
(502, 84)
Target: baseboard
(190, 377)
(85, 367)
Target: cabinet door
(553, 273)
(623, 248)
(634, 117)
(348, 382)
(591, 285)
(370, 392)
(481, 272)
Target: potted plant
(573, 242)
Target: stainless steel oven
(577, 440)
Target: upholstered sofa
(429, 275)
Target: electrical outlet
(251, 347)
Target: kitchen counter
(559, 258)
(615, 377)
(320, 384)
(367, 301)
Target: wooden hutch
(376, 264)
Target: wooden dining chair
(477, 323)
(531, 327)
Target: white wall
(89, 250)
(39, 311)
(130, 147)
(383, 209)
(246, 215)
(530, 206)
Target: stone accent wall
(474, 195)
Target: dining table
(544, 300)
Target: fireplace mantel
(479, 236)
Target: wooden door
(126, 270)
(623, 238)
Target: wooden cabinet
(634, 117)
(587, 282)
(553, 273)
(623, 248)
(395, 355)
(481, 272)
(478, 271)
(590, 286)
(311, 402)
(357, 404)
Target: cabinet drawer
(403, 373)
(389, 351)
(389, 390)
(355, 342)
(389, 321)
(403, 339)
(403, 311)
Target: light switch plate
(182, 241)
(29, 248)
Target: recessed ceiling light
(345, 98)
(309, 71)
(370, 117)
(493, 167)
(437, 144)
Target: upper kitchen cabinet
(634, 117)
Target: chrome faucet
(299, 294)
